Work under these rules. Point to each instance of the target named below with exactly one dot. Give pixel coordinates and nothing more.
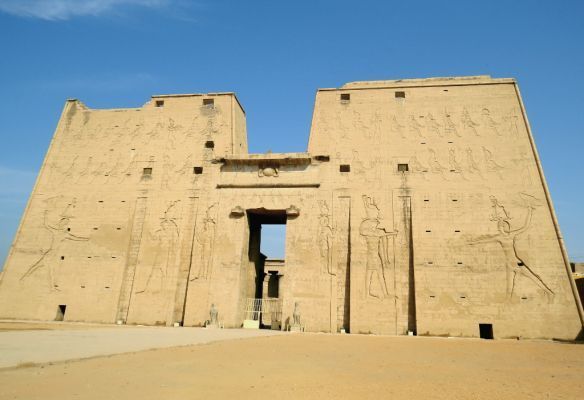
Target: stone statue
(213, 314)
(296, 326)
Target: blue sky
(275, 54)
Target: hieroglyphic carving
(325, 239)
(164, 240)
(167, 168)
(58, 232)
(378, 261)
(468, 125)
(206, 239)
(490, 163)
(507, 239)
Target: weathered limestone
(420, 206)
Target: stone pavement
(44, 346)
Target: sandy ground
(313, 366)
(48, 342)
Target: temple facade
(419, 207)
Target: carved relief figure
(472, 166)
(377, 239)
(416, 166)
(453, 163)
(396, 127)
(206, 238)
(512, 121)
(491, 164)
(58, 233)
(167, 168)
(467, 123)
(449, 125)
(432, 125)
(164, 241)
(415, 126)
(489, 123)
(507, 239)
(325, 239)
(434, 164)
(86, 170)
(185, 169)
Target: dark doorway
(61, 312)
(257, 219)
(486, 331)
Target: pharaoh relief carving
(162, 244)
(507, 236)
(379, 276)
(58, 232)
(325, 239)
(205, 239)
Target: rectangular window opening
(345, 168)
(400, 95)
(210, 103)
(345, 97)
(61, 312)
(322, 158)
(197, 170)
(486, 331)
(402, 167)
(147, 171)
(209, 144)
(62, 257)
(159, 103)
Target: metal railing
(264, 310)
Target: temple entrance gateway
(263, 307)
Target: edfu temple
(420, 207)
